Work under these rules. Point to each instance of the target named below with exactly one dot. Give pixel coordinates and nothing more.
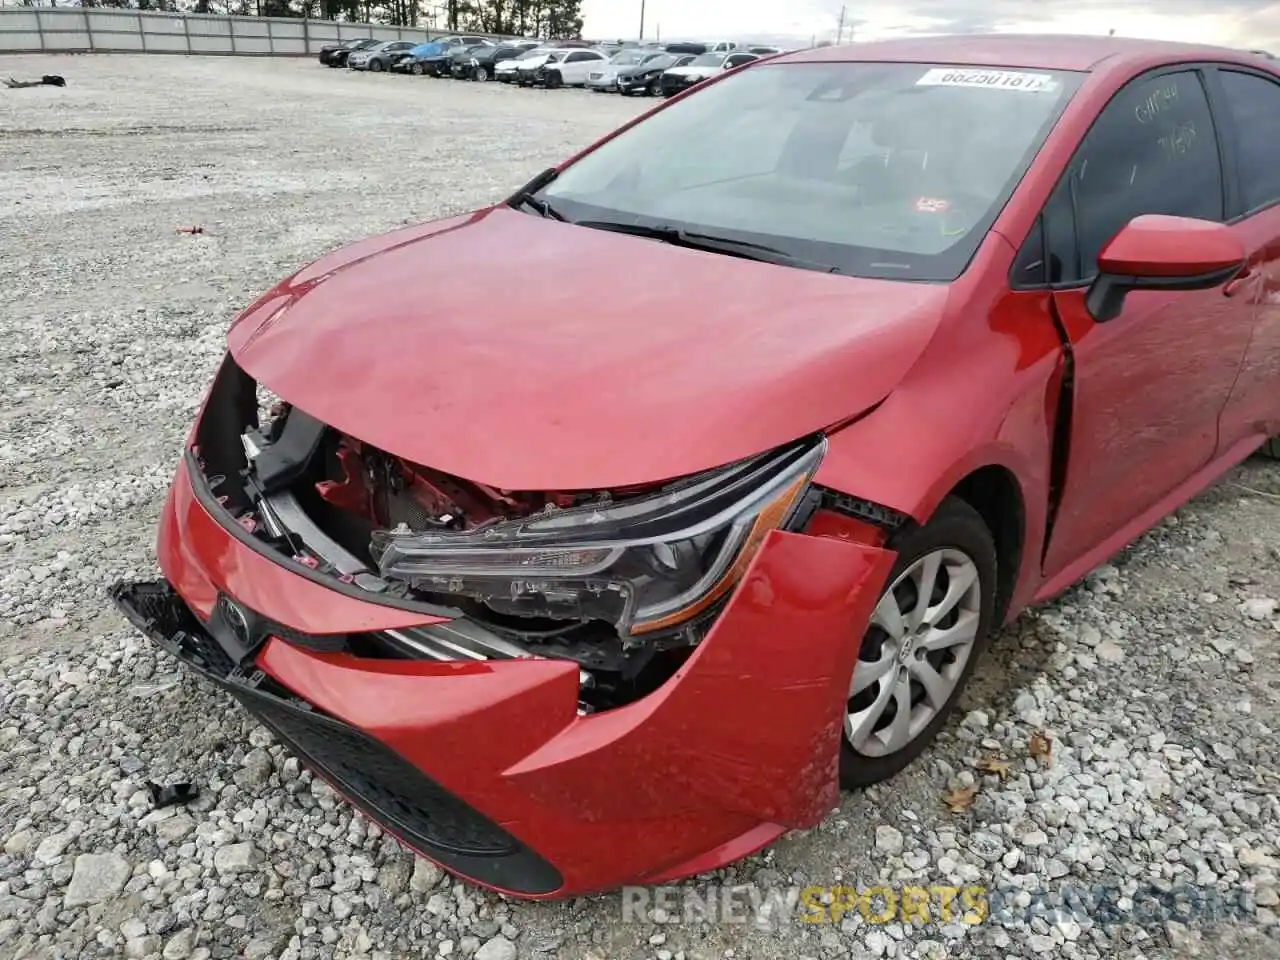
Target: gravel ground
(1156, 681)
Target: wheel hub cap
(917, 645)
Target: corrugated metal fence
(95, 30)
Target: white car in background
(604, 78)
(573, 68)
(528, 70)
(506, 70)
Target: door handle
(1239, 284)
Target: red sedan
(620, 588)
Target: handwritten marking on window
(1157, 103)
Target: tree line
(558, 19)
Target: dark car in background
(335, 54)
(413, 63)
(433, 58)
(646, 78)
(484, 61)
(701, 68)
(441, 64)
(460, 59)
(693, 48)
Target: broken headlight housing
(644, 564)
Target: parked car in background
(646, 78)
(460, 58)
(701, 68)
(463, 40)
(335, 54)
(381, 56)
(693, 48)
(485, 60)
(529, 72)
(507, 70)
(572, 69)
(438, 64)
(414, 62)
(604, 78)
(763, 50)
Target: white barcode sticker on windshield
(989, 79)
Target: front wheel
(376, 66)
(415, 69)
(480, 74)
(553, 80)
(654, 88)
(929, 629)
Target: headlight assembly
(644, 564)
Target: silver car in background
(382, 56)
(604, 78)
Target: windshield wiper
(526, 195)
(679, 237)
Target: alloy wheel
(920, 637)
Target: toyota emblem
(235, 618)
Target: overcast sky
(1236, 23)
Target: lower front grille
(376, 779)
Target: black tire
(554, 80)
(416, 69)
(654, 88)
(480, 74)
(956, 526)
(375, 66)
(1271, 449)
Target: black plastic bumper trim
(374, 778)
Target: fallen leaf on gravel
(1040, 747)
(993, 764)
(960, 799)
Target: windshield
(535, 52)
(707, 60)
(625, 58)
(877, 169)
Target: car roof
(1045, 52)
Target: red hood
(529, 354)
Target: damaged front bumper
(485, 762)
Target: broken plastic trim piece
(643, 564)
(284, 516)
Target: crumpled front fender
(742, 742)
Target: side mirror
(1157, 252)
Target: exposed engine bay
(615, 602)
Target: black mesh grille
(208, 653)
(421, 811)
(155, 609)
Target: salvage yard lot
(1156, 681)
